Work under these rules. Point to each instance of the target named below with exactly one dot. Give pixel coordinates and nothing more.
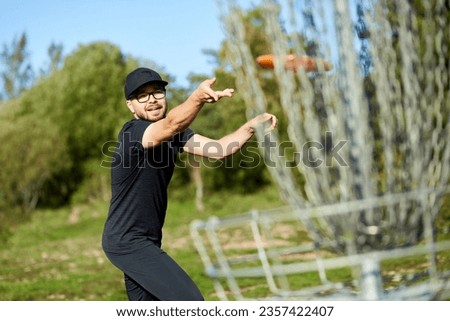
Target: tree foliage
(56, 56)
(58, 124)
(244, 171)
(18, 74)
(33, 150)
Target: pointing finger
(225, 93)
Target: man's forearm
(183, 115)
(180, 117)
(233, 142)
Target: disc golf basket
(369, 139)
(270, 254)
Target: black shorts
(150, 274)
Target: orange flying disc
(293, 62)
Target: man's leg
(135, 292)
(152, 274)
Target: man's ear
(130, 106)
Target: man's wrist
(248, 129)
(196, 99)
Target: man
(141, 171)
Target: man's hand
(205, 94)
(263, 119)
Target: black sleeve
(137, 129)
(181, 139)
(130, 142)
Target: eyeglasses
(144, 97)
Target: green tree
(55, 54)
(33, 150)
(87, 105)
(244, 171)
(83, 104)
(18, 73)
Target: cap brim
(133, 90)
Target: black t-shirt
(139, 181)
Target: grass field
(57, 255)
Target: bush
(33, 151)
(95, 185)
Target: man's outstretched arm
(179, 118)
(231, 143)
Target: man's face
(149, 103)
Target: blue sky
(172, 33)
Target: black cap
(140, 77)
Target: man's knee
(137, 293)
